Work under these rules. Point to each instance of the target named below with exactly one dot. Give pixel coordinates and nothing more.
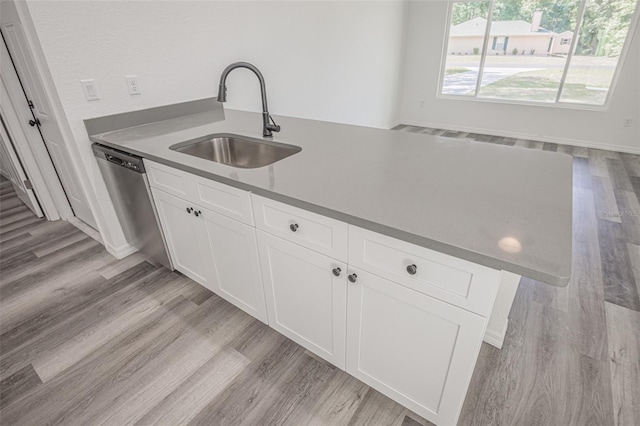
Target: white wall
(328, 60)
(425, 30)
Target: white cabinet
(412, 347)
(306, 296)
(183, 231)
(169, 180)
(456, 281)
(319, 233)
(215, 196)
(409, 322)
(234, 270)
(217, 252)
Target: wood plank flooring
(86, 339)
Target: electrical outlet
(132, 84)
(627, 122)
(90, 89)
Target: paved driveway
(465, 82)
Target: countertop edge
(470, 256)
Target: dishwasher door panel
(132, 200)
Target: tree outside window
(543, 51)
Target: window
(542, 51)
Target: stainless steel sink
(236, 151)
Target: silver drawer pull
(412, 269)
(293, 227)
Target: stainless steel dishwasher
(128, 187)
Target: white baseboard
(120, 252)
(85, 228)
(392, 125)
(507, 134)
(495, 337)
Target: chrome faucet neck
(268, 125)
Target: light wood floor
(86, 340)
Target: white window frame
(633, 27)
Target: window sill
(560, 105)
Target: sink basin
(236, 151)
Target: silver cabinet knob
(293, 227)
(197, 213)
(189, 210)
(336, 271)
(353, 278)
(412, 269)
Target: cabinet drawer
(169, 179)
(456, 281)
(224, 199)
(317, 232)
(218, 197)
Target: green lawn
(582, 85)
(449, 71)
(531, 61)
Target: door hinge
(30, 103)
(27, 184)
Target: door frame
(114, 242)
(38, 168)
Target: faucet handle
(273, 126)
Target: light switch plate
(90, 89)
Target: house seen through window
(548, 51)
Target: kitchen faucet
(268, 125)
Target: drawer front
(218, 197)
(223, 199)
(170, 180)
(456, 281)
(322, 234)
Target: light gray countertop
(456, 197)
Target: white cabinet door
(413, 348)
(183, 232)
(233, 268)
(306, 301)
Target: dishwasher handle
(119, 158)
(116, 160)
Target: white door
(306, 301)
(183, 232)
(16, 41)
(11, 168)
(232, 261)
(411, 347)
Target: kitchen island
(382, 252)
(455, 197)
